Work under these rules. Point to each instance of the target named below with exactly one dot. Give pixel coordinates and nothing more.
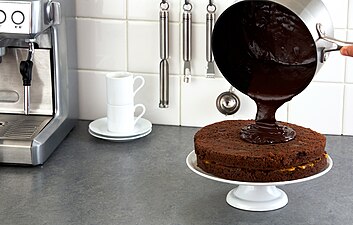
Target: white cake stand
(254, 196)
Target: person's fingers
(347, 50)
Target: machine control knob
(2, 16)
(18, 17)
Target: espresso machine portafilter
(38, 96)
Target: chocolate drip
(265, 51)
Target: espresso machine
(38, 84)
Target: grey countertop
(146, 181)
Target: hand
(347, 51)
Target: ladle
(228, 102)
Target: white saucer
(120, 139)
(99, 127)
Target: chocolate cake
(220, 151)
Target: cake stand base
(254, 196)
(257, 198)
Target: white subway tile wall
(319, 106)
(348, 110)
(107, 9)
(349, 65)
(98, 52)
(123, 35)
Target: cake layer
(253, 175)
(221, 142)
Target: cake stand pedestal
(257, 198)
(254, 196)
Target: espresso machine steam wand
(26, 68)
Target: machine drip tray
(17, 133)
(21, 127)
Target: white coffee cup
(120, 88)
(121, 119)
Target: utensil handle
(210, 19)
(164, 54)
(164, 84)
(187, 35)
(164, 34)
(333, 40)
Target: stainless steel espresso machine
(38, 97)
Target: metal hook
(164, 5)
(211, 8)
(187, 6)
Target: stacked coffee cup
(121, 108)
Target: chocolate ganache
(265, 51)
